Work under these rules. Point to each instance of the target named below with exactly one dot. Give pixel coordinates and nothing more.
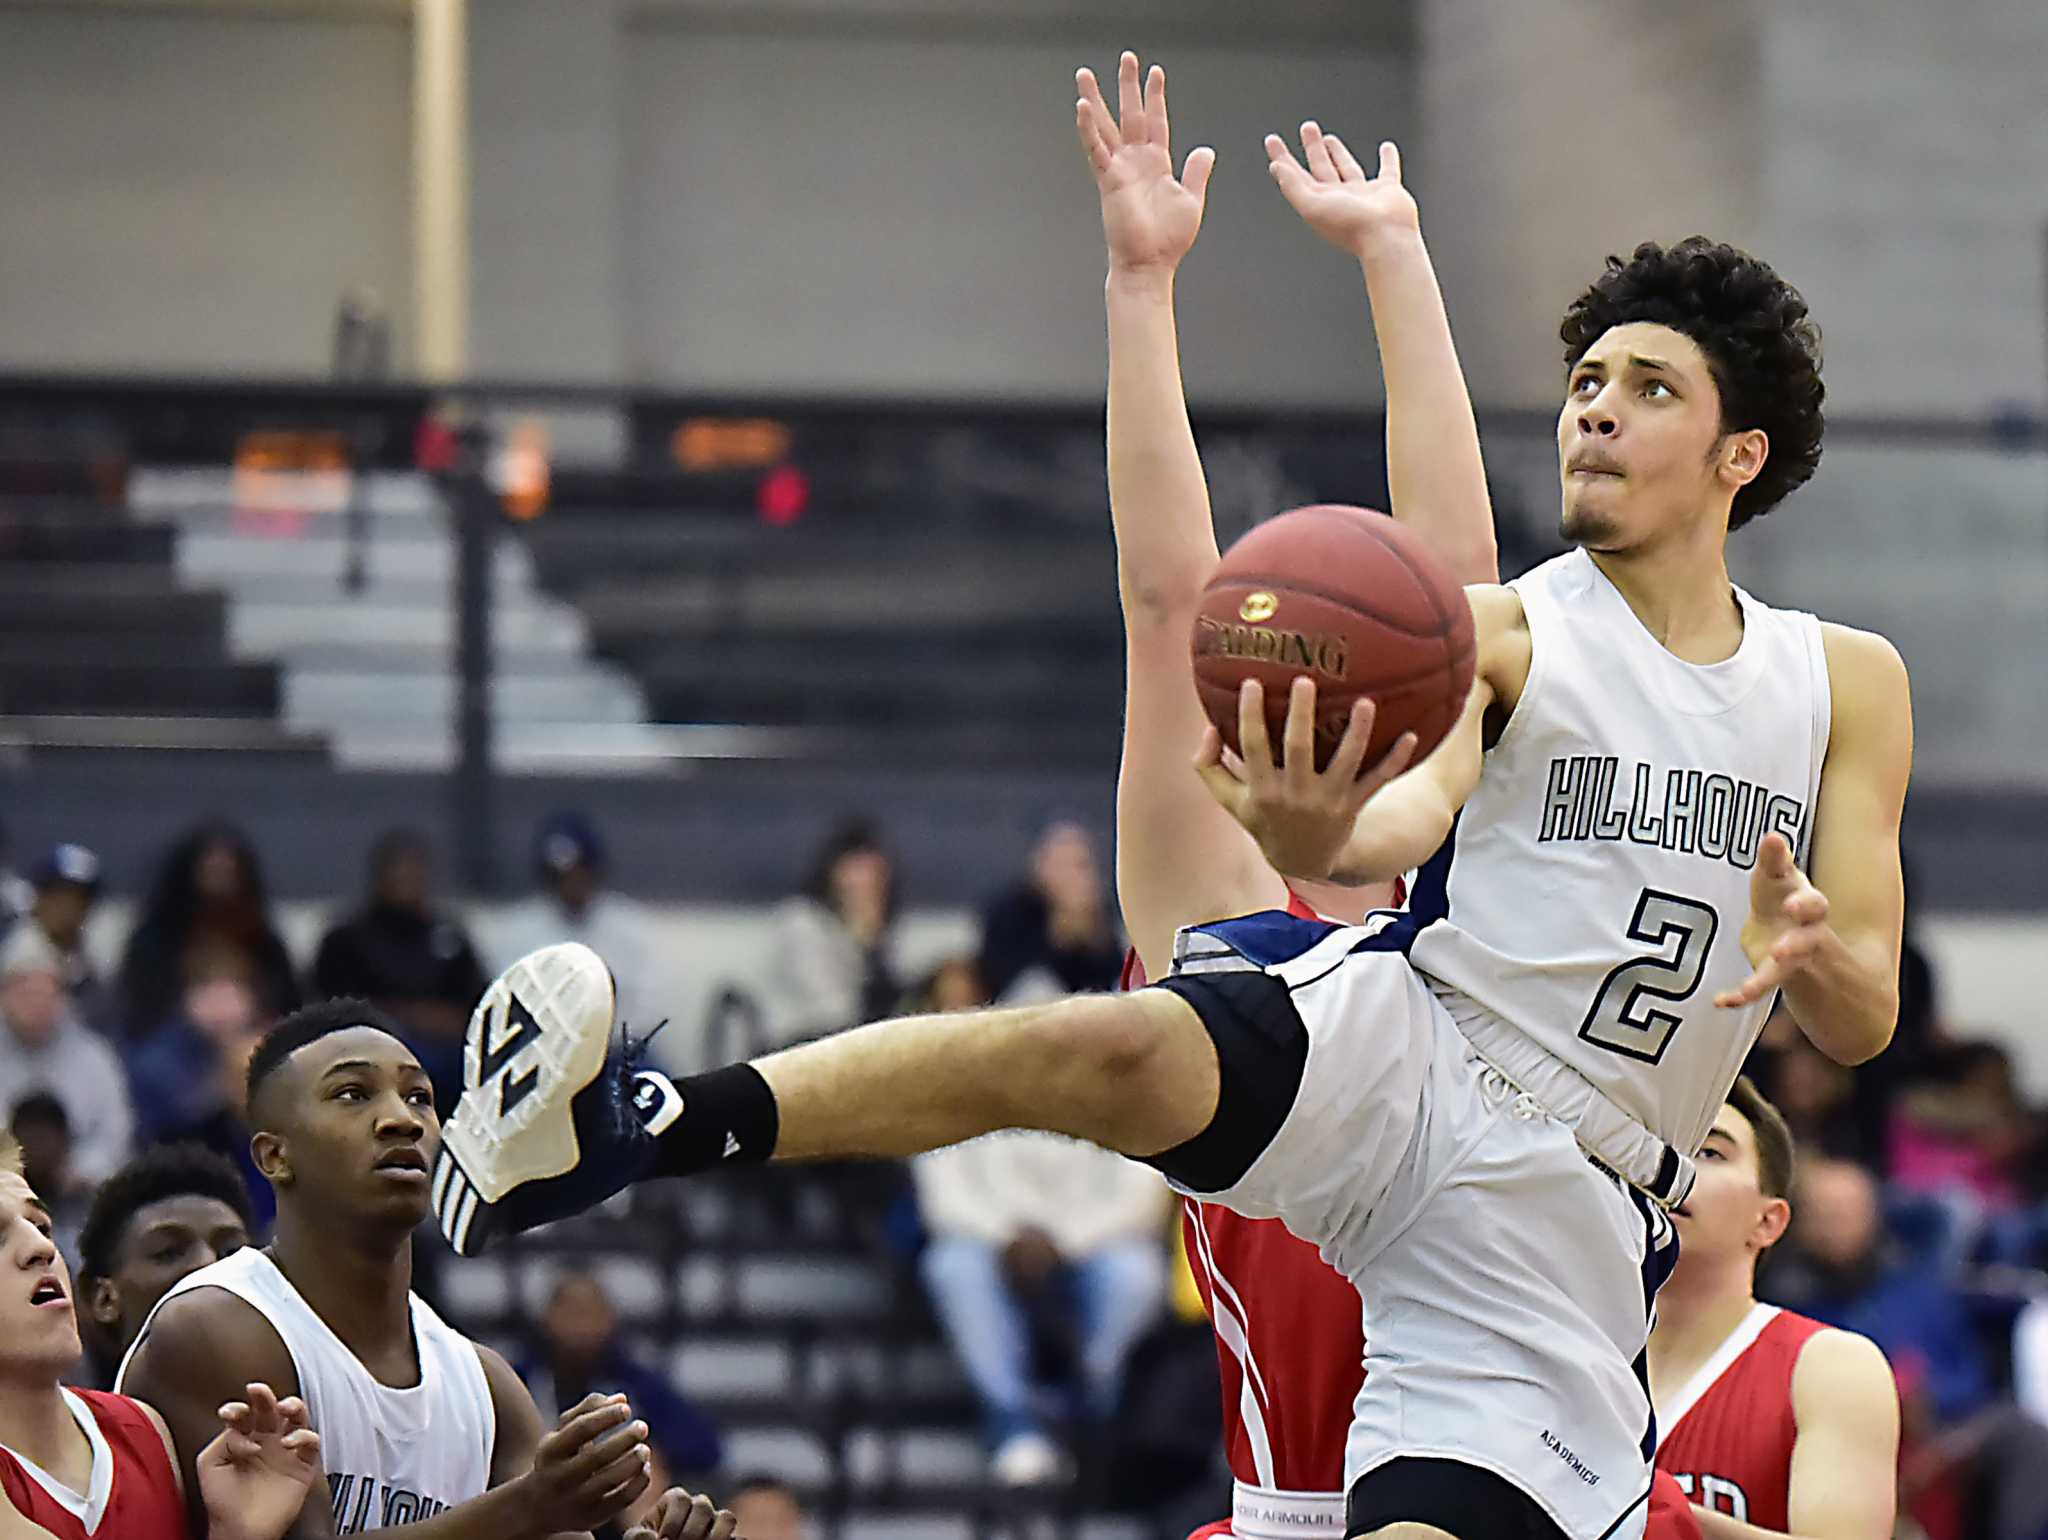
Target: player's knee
(1405, 1532)
(1138, 1077)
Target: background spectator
(1041, 1246)
(1053, 933)
(767, 1510)
(172, 1210)
(2030, 1359)
(208, 895)
(574, 904)
(403, 954)
(67, 885)
(954, 985)
(190, 1080)
(1842, 1269)
(15, 894)
(1814, 1093)
(43, 1130)
(578, 1353)
(44, 1047)
(832, 967)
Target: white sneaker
(1029, 1460)
(548, 1123)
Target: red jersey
(1728, 1434)
(1290, 1335)
(134, 1490)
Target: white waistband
(1260, 1513)
(1605, 1130)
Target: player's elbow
(1159, 596)
(1857, 1038)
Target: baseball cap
(565, 841)
(70, 863)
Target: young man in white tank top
(421, 1428)
(1479, 1110)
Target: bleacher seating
(970, 642)
(778, 1307)
(100, 642)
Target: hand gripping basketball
(1301, 816)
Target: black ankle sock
(728, 1119)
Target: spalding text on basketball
(1326, 655)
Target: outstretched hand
(1302, 817)
(1149, 217)
(254, 1477)
(1787, 924)
(1334, 195)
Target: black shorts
(1466, 1501)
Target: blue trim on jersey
(1658, 1262)
(1428, 901)
(1268, 938)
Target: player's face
(164, 1241)
(362, 1132)
(1727, 1212)
(1639, 442)
(38, 1327)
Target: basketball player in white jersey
(1476, 1108)
(1290, 1348)
(421, 1429)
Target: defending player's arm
(1844, 1481)
(1179, 859)
(1353, 827)
(1831, 940)
(1436, 480)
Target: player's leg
(1503, 1392)
(555, 1116)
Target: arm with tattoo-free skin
(1831, 939)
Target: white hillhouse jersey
(392, 1455)
(1591, 898)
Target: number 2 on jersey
(1624, 1016)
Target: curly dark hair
(162, 1171)
(1759, 340)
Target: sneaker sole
(537, 1038)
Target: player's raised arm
(1179, 858)
(1830, 938)
(1435, 477)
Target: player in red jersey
(1772, 1423)
(85, 1465)
(1288, 1327)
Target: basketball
(1353, 600)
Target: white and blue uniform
(392, 1454)
(1417, 1095)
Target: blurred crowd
(1920, 1207)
